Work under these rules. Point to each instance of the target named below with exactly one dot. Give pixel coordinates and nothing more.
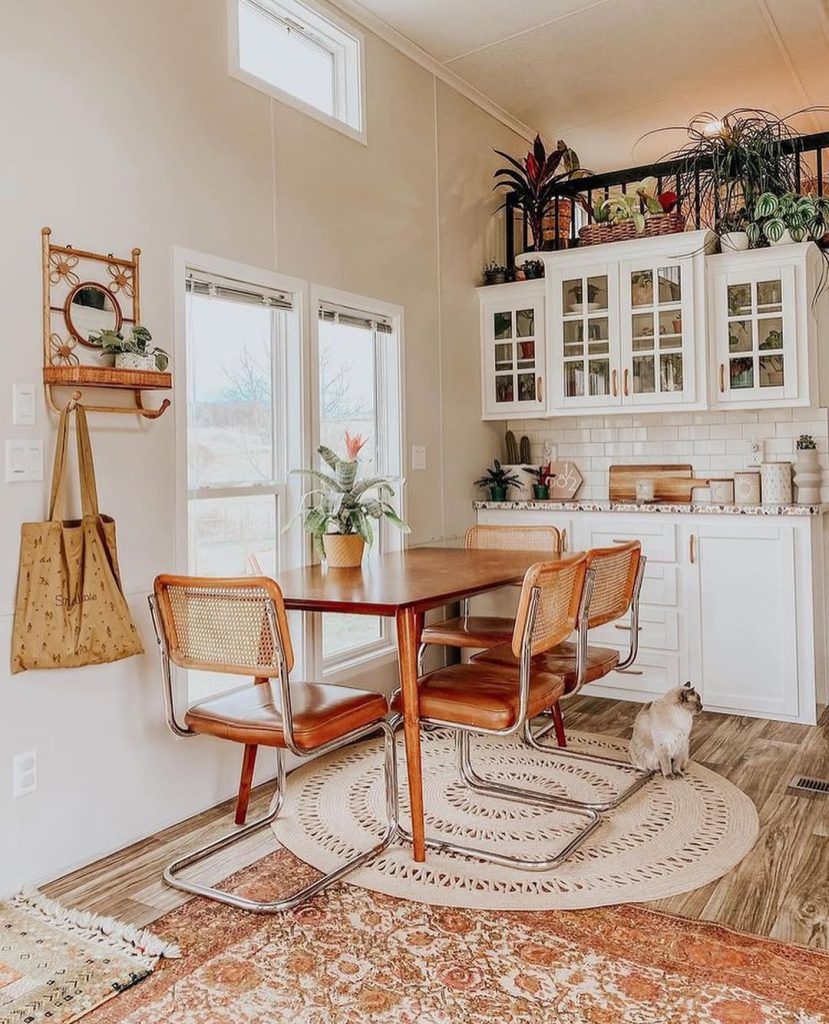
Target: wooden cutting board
(670, 482)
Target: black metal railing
(812, 148)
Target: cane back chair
(476, 631)
(612, 593)
(239, 627)
(499, 700)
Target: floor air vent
(816, 787)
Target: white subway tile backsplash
(715, 443)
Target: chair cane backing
(614, 577)
(560, 585)
(513, 538)
(223, 625)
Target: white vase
(807, 476)
(524, 490)
(134, 361)
(734, 241)
(776, 483)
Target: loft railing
(814, 149)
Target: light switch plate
(24, 409)
(418, 456)
(24, 460)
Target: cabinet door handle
(722, 378)
(692, 548)
(630, 671)
(539, 389)
(613, 388)
(564, 540)
(625, 382)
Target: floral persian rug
(56, 964)
(352, 955)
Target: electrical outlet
(756, 453)
(24, 773)
(418, 456)
(24, 461)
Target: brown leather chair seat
(560, 661)
(253, 715)
(482, 696)
(473, 631)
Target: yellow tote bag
(70, 609)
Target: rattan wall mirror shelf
(83, 293)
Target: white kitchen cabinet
(513, 349)
(734, 603)
(763, 309)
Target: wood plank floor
(780, 889)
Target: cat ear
(687, 685)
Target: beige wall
(121, 127)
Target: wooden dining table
(405, 585)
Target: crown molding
(379, 27)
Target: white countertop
(655, 507)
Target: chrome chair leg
(172, 878)
(640, 775)
(593, 820)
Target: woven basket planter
(655, 224)
(343, 550)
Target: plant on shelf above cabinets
(639, 210)
(534, 181)
(787, 218)
(494, 273)
(496, 480)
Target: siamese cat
(662, 731)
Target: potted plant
(533, 269)
(494, 273)
(541, 487)
(731, 228)
(781, 219)
(340, 511)
(133, 352)
(807, 472)
(534, 181)
(496, 480)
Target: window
(358, 390)
(236, 338)
(301, 57)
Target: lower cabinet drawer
(658, 537)
(653, 672)
(660, 584)
(658, 630)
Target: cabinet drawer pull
(630, 671)
(613, 388)
(722, 378)
(628, 628)
(539, 389)
(625, 383)
(564, 540)
(692, 548)
(620, 540)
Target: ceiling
(602, 73)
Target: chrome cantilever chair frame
(640, 775)
(463, 737)
(170, 873)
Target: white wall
(121, 127)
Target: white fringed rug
(672, 836)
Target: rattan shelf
(107, 377)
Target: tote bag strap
(56, 497)
(86, 467)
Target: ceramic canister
(747, 487)
(722, 492)
(776, 483)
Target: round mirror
(90, 308)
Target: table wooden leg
(409, 628)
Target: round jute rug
(671, 836)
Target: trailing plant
(533, 269)
(344, 504)
(138, 341)
(494, 273)
(806, 443)
(497, 476)
(535, 180)
(804, 217)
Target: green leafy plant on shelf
(137, 343)
(805, 218)
(343, 504)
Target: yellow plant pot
(343, 550)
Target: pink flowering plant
(342, 503)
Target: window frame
(290, 451)
(391, 414)
(349, 78)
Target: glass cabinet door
(758, 360)
(515, 356)
(657, 332)
(588, 370)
